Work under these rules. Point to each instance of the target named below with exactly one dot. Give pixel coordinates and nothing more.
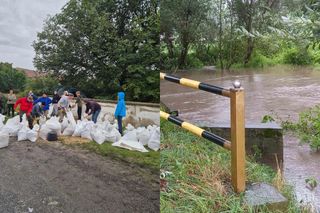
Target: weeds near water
(200, 176)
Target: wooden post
(237, 138)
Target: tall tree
(100, 46)
(11, 78)
(184, 18)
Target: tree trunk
(220, 35)
(169, 43)
(249, 29)
(183, 54)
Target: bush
(308, 127)
(259, 60)
(40, 85)
(296, 56)
(193, 62)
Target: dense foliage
(307, 127)
(103, 46)
(42, 84)
(237, 33)
(11, 78)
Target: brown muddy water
(282, 91)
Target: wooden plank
(237, 139)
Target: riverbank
(198, 175)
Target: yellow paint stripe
(164, 115)
(226, 93)
(227, 145)
(162, 75)
(189, 83)
(192, 128)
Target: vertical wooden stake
(237, 139)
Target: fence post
(237, 137)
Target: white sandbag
(130, 141)
(12, 126)
(143, 135)
(86, 131)
(98, 135)
(129, 128)
(113, 135)
(36, 128)
(44, 132)
(22, 134)
(42, 120)
(64, 124)
(78, 129)
(54, 124)
(4, 139)
(2, 118)
(32, 135)
(154, 142)
(69, 130)
(71, 118)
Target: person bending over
(26, 105)
(93, 108)
(38, 110)
(46, 100)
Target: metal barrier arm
(197, 130)
(195, 84)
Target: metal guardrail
(237, 144)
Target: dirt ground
(48, 177)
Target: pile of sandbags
(14, 127)
(136, 139)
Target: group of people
(34, 107)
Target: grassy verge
(200, 180)
(148, 160)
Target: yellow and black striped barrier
(237, 144)
(197, 130)
(195, 84)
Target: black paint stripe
(172, 78)
(211, 88)
(175, 120)
(214, 138)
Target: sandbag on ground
(2, 118)
(154, 141)
(44, 130)
(4, 139)
(130, 141)
(98, 135)
(12, 126)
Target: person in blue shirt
(120, 110)
(44, 99)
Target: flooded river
(284, 91)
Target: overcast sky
(20, 20)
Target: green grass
(149, 159)
(201, 179)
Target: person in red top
(26, 105)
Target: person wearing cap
(26, 105)
(55, 100)
(44, 99)
(33, 95)
(120, 111)
(92, 108)
(64, 105)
